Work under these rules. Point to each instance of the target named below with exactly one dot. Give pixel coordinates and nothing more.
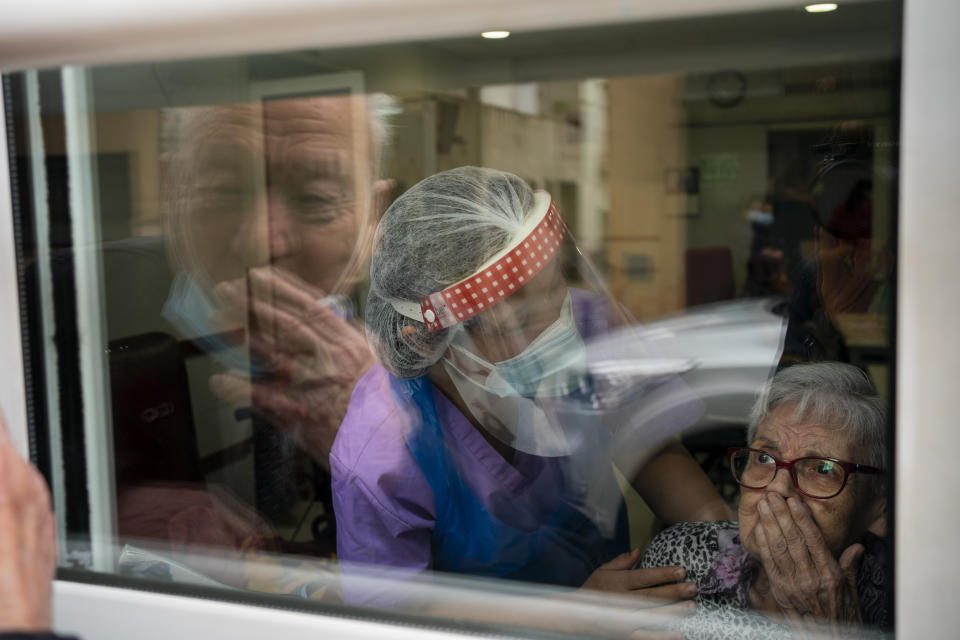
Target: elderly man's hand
(313, 358)
(28, 555)
(809, 585)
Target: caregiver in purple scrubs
(480, 444)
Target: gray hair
(830, 393)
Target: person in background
(766, 274)
(808, 553)
(848, 273)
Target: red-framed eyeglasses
(814, 477)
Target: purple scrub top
(384, 505)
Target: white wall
(928, 440)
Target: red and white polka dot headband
(537, 244)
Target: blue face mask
(762, 218)
(552, 365)
(188, 309)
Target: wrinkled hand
(28, 554)
(657, 591)
(314, 358)
(811, 588)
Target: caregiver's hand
(809, 585)
(651, 587)
(655, 590)
(28, 554)
(313, 356)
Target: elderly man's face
(285, 183)
(844, 518)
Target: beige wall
(720, 219)
(647, 137)
(535, 148)
(136, 133)
(540, 149)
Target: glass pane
(441, 329)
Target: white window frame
(35, 35)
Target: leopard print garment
(694, 546)
(714, 559)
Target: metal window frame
(927, 514)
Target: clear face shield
(522, 355)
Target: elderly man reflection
(271, 212)
(269, 209)
(805, 553)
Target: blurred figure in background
(766, 272)
(821, 231)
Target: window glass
(444, 329)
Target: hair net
(437, 233)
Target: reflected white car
(724, 353)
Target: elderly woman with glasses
(805, 554)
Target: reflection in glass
(284, 417)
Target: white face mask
(515, 400)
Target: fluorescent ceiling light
(495, 35)
(822, 7)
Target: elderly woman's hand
(809, 586)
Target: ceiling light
(822, 7)
(495, 35)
